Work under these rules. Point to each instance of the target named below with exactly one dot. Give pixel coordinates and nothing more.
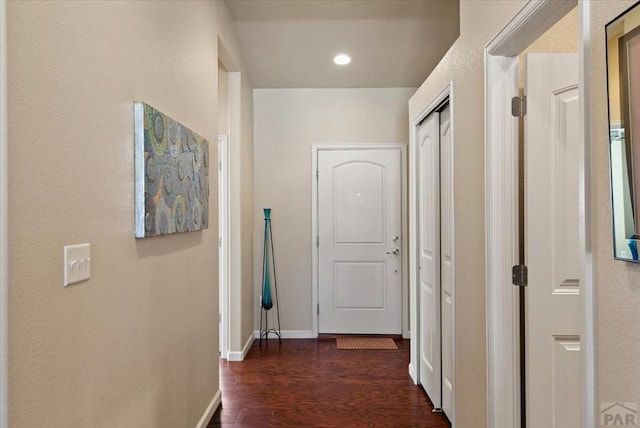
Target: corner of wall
(211, 409)
(241, 355)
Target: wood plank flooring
(311, 383)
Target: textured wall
(562, 37)
(287, 123)
(136, 345)
(616, 283)
(223, 100)
(246, 303)
(464, 64)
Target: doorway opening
(230, 269)
(223, 209)
(508, 360)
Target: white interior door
(429, 256)
(446, 259)
(360, 241)
(552, 241)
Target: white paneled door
(446, 259)
(436, 258)
(429, 253)
(552, 241)
(360, 241)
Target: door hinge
(519, 275)
(220, 242)
(519, 106)
(220, 166)
(318, 309)
(318, 241)
(317, 174)
(220, 318)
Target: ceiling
(392, 43)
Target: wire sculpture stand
(266, 303)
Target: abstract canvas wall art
(171, 175)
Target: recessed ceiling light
(342, 59)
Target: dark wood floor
(311, 383)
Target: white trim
(414, 366)
(314, 238)
(210, 411)
(502, 243)
(315, 148)
(223, 243)
(446, 92)
(454, 260)
(4, 240)
(588, 337)
(290, 334)
(406, 326)
(533, 20)
(413, 374)
(241, 355)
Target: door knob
(396, 238)
(395, 251)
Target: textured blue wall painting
(171, 174)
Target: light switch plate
(77, 263)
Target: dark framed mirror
(623, 85)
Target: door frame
(223, 242)
(237, 344)
(446, 94)
(4, 229)
(501, 209)
(315, 149)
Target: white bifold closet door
(435, 224)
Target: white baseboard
(289, 334)
(412, 374)
(240, 355)
(211, 409)
(285, 334)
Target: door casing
(314, 226)
(501, 205)
(236, 351)
(223, 242)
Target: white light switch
(77, 263)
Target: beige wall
(136, 345)
(562, 37)
(464, 64)
(287, 123)
(223, 100)
(246, 301)
(616, 283)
